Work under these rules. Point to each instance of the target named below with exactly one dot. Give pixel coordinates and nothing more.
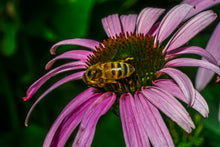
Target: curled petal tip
(49, 65)
(190, 104)
(30, 93)
(218, 78)
(26, 98)
(27, 119)
(207, 115)
(26, 125)
(52, 50)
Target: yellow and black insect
(100, 74)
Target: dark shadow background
(27, 31)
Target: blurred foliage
(27, 31)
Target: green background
(27, 31)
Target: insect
(100, 74)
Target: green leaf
(9, 41)
(37, 27)
(109, 132)
(32, 136)
(71, 18)
(212, 95)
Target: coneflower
(135, 41)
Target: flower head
(134, 42)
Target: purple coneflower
(136, 41)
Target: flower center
(124, 63)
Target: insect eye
(89, 73)
(131, 68)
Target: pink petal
(153, 123)
(128, 126)
(69, 118)
(171, 21)
(183, 82)
(190, 29)
(192, 50)
(139, 124)
(73, 54)
(128, 23)
(88, 125)
(200, 5)
(193, 62)
(63, 68)
(154, 29)
(112, 25)
(201, 105)
(88, 43)
(69, 78)
(147, 18)
(131, 124)
(171, 87)
(204, 75)
(213, 44)
(170, 106)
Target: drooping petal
(63, 68)
(69, 118)
(200, 5)
(139, 124)
(68, 125)
(73, 54)
(203, 75)
(190, 29)
(128, 125)
(201, 105)
(193, 62)
(112, 25)
(213, 44)
(153, 122)
(128, 23)
(131, 124)
(172, 19)
(147, 18)
(171, 87)
(88, 43)
(88, 125)
(69, 78)
(169, 106)
(183, 82)
(192, 50)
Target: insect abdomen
(117, 70)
